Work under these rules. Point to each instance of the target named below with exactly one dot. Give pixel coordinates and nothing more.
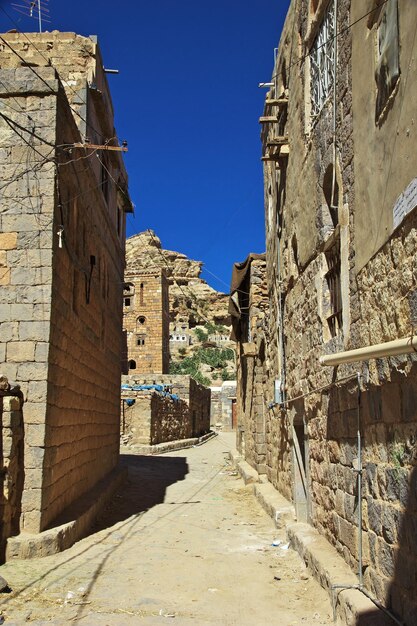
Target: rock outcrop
(192, 300)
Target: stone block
(31, 522)
(386, 557)
(34, 412)
(21, 312)
(37, 391)
(391, 403)
(34, 457)
(41, 352)
(8, 241)
(397, 487)
(9, 331)
(34, 331)
(32, 499)
(5, 276)
(33, 478)
(19, 351)
(22, 276)
(374, 510)
(32, 371)
(35, 434)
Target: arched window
(132, 365)
(141, 291)
(140, 323)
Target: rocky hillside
(199, 320)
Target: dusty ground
(184, 542)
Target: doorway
(234, 414)
(300, 464)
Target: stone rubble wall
(154, 419)
(12, 439)
(379, 304)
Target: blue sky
(187, 101)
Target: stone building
(62, 245)
(223, 412)
(248, 305)
(338, 140)
(146, 321)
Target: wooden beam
(94, 146)
(270, 157)
(277, 141)
(278, 102)
(282, 153)
(268, 119)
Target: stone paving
(184, 540)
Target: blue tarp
(159, 388)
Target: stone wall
(61, 294)
(153, 418)
(251, 348)
(190, 417)
(12, 469)
(329, 188)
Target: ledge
(169, 446)
(79, 518)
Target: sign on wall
(405, 203)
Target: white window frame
(322, 57)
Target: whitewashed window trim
(322, 62)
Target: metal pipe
(378, 351)
(359, 470)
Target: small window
(334, 320)
(322, 56)
(132, 365)
(140, 340)
(142, 287)
(141, 320)
(388, 62)
(127, 302)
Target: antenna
(34, 9)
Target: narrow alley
(184, 540)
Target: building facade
(62, 246)
(338, 141)
(146, 321)
(248, 307)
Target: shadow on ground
(148, 479)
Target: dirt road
(184, 542)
